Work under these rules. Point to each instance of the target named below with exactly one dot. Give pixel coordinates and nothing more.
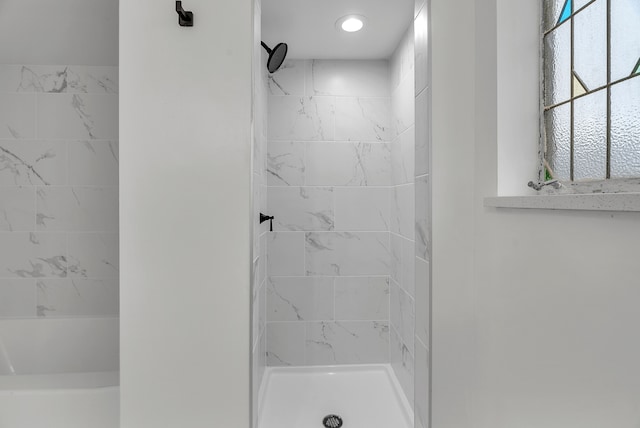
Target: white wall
(535, 321)
(185, 176)
(61, 32)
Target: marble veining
(285, 164)
(362, 298)
(299, 299)
(363, 119)
(285, 344)
(301, 208)
(301, 118)
(347, 164)
(62, 79)
(342, 253)
(403, 364)
(32, 255)
(58, 193)
(421, 386)
(403, 315)
(423, 217)
(347, 342)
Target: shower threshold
(363, 396)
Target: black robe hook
(185, 18)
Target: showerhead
(276, 56)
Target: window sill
(583, 202)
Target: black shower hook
(185, 18)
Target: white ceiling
(308, 27)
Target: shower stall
(341, 294)
(59, 292)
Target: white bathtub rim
(89, 381)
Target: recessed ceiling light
(350, 23)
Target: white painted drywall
(60, 32)
(534, 312)
(185, 121)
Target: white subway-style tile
(422, 49)
(348, 78)
(289, 79)
(301, 118)
(17, 116)
(421, 415)
(395, 272)
(423, 217)
(59, 79)
(80, 209)
(17, 208)
(93, 163)
(285, 163)
(77, 297)
(285, 256)
(93, 255)
(362, 208)
(347, 342)
(299, 299)
(77, 116)
(363, 119)
(39, 163)
(402, 362)
(402, 314)
(301, 208)
(33, 255)
(285, 344)
(361, 298)
(344, 253)
(423, 301)
(403, 210)
(347, 164)
(403, 105)
(17, 298)
(423, 133)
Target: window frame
(596, 186)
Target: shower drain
(332, 421)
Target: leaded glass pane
(558, 144)
(625, 129)
(558, 65)
(566, 12)
(625, 37)
(552, 10)
(579, 4)
(590, 45)
(590, 137)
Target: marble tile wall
(422, 171)
(330, 133)
(58, 191)
(402, 231)
(260, 231)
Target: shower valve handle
(264, 218)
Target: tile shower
(347, 180)
(58, 191)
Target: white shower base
(365, 396)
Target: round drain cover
(332, 421)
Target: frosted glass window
(591, 89)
